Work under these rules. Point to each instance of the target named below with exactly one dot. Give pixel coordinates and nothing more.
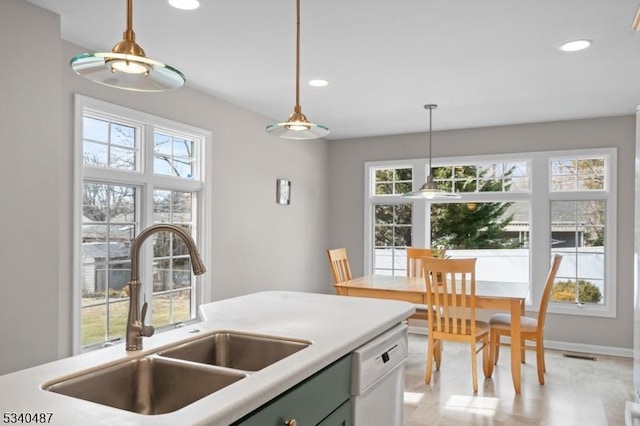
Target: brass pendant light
(429, 189)
(297, 126)
(126, 66)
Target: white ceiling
(486, 63)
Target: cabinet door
(341, 417)
(309, 402)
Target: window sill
(586, 310)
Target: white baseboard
(590, 349)
(561, 346)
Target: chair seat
(482, 327)
(503, 322)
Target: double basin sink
(177, 376)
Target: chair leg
(430, 355)
(487, 359)
(474, 368)
(495, 346)
(540, 361)
(523, 351)
(437, 354)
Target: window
(577, 233)
(394, 181)
(134, 170)
(392, 228)
(580, 174)
(581, 210)
(484, 177)
(392, 218)
(495, 221)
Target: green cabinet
(341, 417)
(322, 399)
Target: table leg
(515, 344)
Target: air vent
(577, 355)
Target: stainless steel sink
(166, 381)
(148, 385)
(236, 350)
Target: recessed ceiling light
(318, 83)
(574, 45)
(185, 4)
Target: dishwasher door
(377, 384)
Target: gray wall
(346, 186)
(256, 244)
(30, 219)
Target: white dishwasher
(377, 382)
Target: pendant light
(428, 189)
(126, 66)
(297, 126)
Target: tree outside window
(473, 225)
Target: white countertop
(336, 325)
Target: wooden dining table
(494, 295)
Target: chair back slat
(339, 262)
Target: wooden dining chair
(454, 315)
(339, 262)
(532, 329)
(414, 260)
(414, 269)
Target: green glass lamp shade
(429, 191)
(129, 72)
(297, 127)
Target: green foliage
(392, 225)
(393, 181)
(475, 226)
(455, 226)
(566, 291)
(117, 293)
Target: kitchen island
(334, 326)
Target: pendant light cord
(297, 55)
(430, 121)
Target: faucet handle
(145, 330)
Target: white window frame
(610, 195)
(540, 195)
(418, 230)
(146, 182)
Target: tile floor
(576, 391)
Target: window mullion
(146, 215)
(420, 223)
(540, 229)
